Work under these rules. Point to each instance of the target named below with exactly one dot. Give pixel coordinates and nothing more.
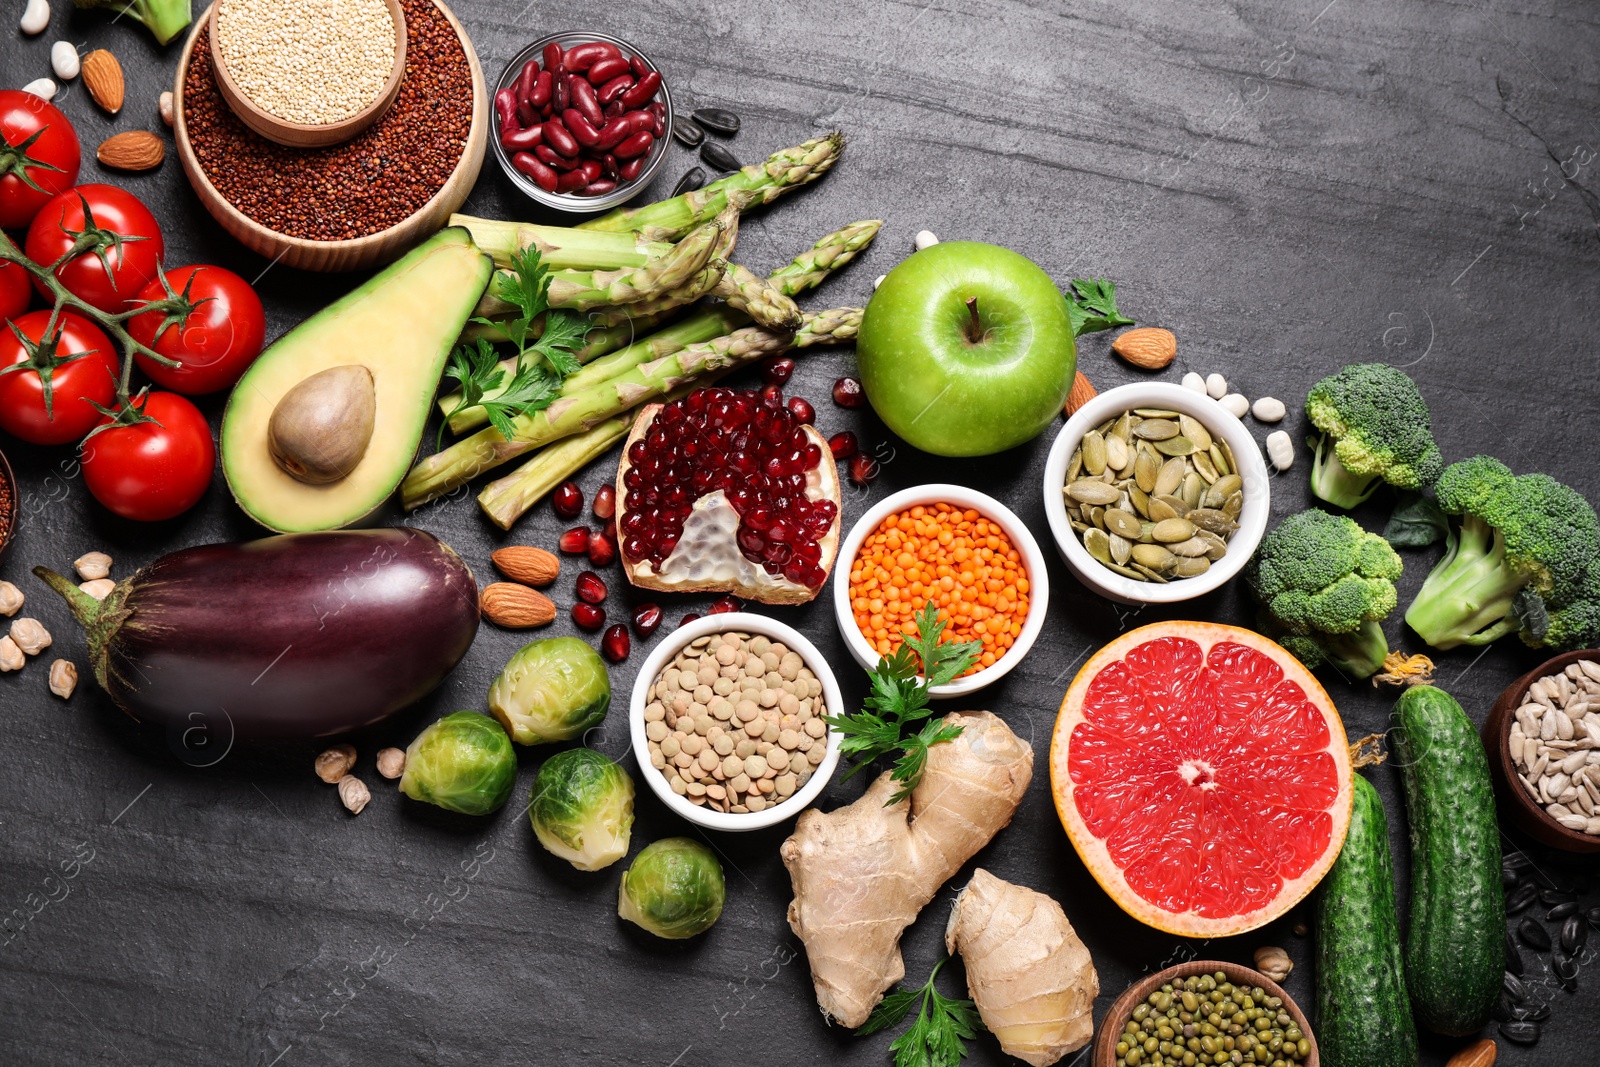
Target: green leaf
(1415, 522)
(936, 1037)
(891, 1011)
(1092, 306)
(909, 767)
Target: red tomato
(206, 318)
(151, 471)
(15, 290)
(81, 364)
(126, 235)
(39, 156)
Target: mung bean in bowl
(1190, 440)
(726, 721)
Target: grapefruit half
(1203, 776)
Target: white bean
(35, 17)
(1194, 382)
(1235, 404)
(43, 88)
(64, 60)
(1268, 409)
(1216, 386)
(1280, 449)
(926, 239)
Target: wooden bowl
(1105, 1038)
(299, 134)
(1513, 799)
(10, 512)
(361, 252)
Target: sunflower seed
(688, 133)
(719, 157)
(692, 179)
(717, 120)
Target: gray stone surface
(1287, 186)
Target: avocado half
(400, 325)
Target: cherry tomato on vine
(39, 156)
(119, 244)
(153, 469)
(16, 290)
(47, 383)
(207, 319)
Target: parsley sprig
(935, 1038)
(543, 360)
(899, 699)
(1092, 306)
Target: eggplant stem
(85, 608)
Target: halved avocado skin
(401, 324)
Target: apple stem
(974, 326)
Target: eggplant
(295, 636)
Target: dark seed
(1593, 915)
(718, 120)
(1534, 935)
(692, 180)
(1509, 878)
(1504, 1010)
(1556, 895)
(1514, 962)
(1514, 988)
(1538, 1015)
(1517, 861)
(719, 157)
(1566, 969)
(1524, 895)
(1525, 1032)
(688, 133)
(1574, 935)
(1562, 910)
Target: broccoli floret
(1522, 556)
(1325, 585)
(164, 18)
(1375, 428)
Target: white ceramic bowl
(656, 662)
(1032, 558)
(1246, 453)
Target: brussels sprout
(673, 889)
(551, 690)
(464, 762)
(582, 808)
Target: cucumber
(1363, 1012)
(1455, 943)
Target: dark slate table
(1289, 187)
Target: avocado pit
(320, 429)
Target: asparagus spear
(549, 468)
(764, 302)
(807, 271)
(582, 290)
(771, 178)
(560, 247)
(577, 412)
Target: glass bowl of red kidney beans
(581, 121)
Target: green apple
(966, 349)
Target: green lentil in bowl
(1207, 1019)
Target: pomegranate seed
(602, 550)
(847, 393)
(723, 605)
(567, 500)
(863, 469)
(802, 410)
(646, 617)
(575, 541)
(588, 616)
(686, 620)
(615, 644)
(591, 587)
(605, 503)
(772, 393)
(777, 370)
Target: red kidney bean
(657, 126)
(560, 138)
(580, 128)
(599, 187)
(527, 114)
(640, 68)
(585, 56)
(523, 140)
(576, 179)
(583, 98)
(505, 105)
(551, 158)
(560, 96)
(619, 129)
(608, 68)
(614, 88)
(544, 177)
(630, 170)
(540, 96)
(614, 110)
(658, 109)
(552, 56)
(530, 71)
(634, 145)
(548, 108)
(641, 93)
(608, 166)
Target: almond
(1479, 1054)
(516, 607)
(1148, 347)
(132, 150)
(102, 76)
(1082, 392)
(528, 565)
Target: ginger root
(1030, 976)
(863, 872)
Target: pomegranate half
(725, 490)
